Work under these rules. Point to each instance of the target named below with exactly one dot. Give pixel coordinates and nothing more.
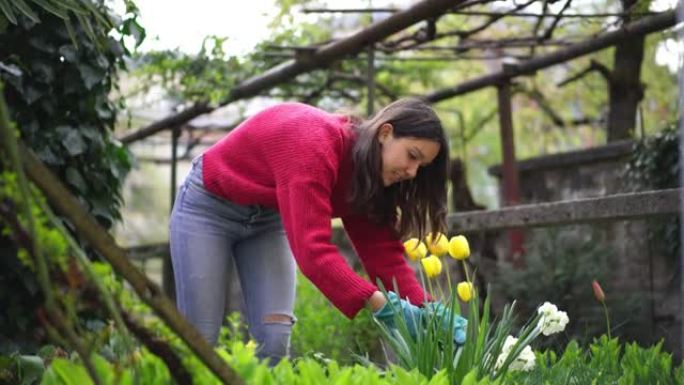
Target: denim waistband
(195, 174)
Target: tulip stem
(465, 269)
(432, 291)
(441, 291)
(446, 267)
(605, 310)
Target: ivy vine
(654, 165)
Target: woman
(265, 195)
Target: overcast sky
(184, 24)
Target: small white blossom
(525, 361)
(552, 320)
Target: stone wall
(639, 273)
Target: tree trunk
(625, 88)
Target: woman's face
(401, 157)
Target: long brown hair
(411, 205)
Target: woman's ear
(385, 132)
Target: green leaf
(42, 44)
(30, 94)
(132, 28)
(7, 10)
(11, 69)
(26, 10)
(31, 369)
(470, 378)
(69, 53)
(90, 75)
(43, 71)
(70, 5)
(46, 154)
(74, 178)
(67, 373)
(71, 32)
(46, 5)
(440, 378)
(72, 140)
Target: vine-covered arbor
(522, 56)
(541, 48)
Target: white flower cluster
(525, 361)
(552, 320)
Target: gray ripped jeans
(207, 230)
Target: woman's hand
(396, 309)
(376, 301)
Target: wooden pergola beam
(318, 58)
(480, 13)
(641, 27)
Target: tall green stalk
(605, 312)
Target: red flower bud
(598, 292)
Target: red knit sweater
(297, 159)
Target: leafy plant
(654, 165)
(90, 18)
(58, 96)
(489, 351)
(322, 331)
(605, 361)
(207, 76)
(561, 263)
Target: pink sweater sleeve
(306, 212)
(382, 255)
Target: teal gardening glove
(415, 316)
(411, 314)
(458, 323)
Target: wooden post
(511, 188)
(370, 80)
(168, 283)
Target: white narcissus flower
(525, 361)
(552, 320)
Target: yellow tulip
(439, 246)
(415, 249)
(459, 248)
(465, 291)
(432, 266)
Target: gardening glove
(411, 314)
(458, 323)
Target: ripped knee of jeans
(273, 336)
(283, 319)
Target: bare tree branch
(593, 66)
(358, 78)
(419, 37)
(541, 101)
(539, 23)
(159, 348)
(549, 31)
